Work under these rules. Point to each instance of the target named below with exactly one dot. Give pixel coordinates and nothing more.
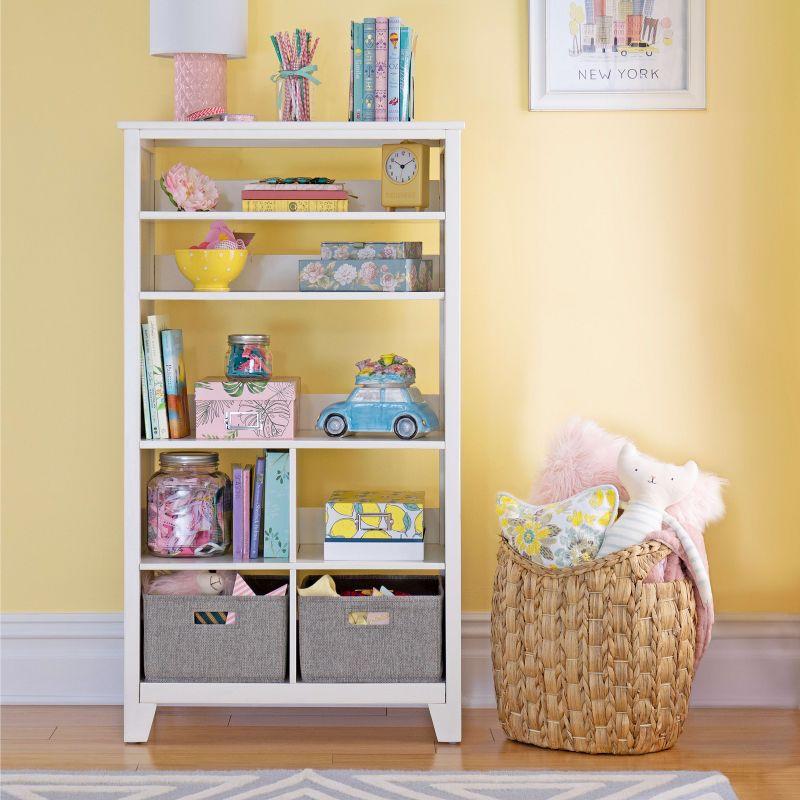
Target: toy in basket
(383, 401)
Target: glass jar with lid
(188, 506)
(249, 356)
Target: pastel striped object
(240, 589)
(638, 520)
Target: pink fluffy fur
(582, 454)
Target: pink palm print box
(246, 409)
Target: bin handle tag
(214, 618)
(368, 618)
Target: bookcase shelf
(151, 277)
(293, 216)
(293, 296)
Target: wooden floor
(759, 750)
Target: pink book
(381, 68)
(246, 472)
(291, 194)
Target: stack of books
(294, 197)
(260, 506)
(165, 403)
(381, 70)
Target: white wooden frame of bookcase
(140, 138)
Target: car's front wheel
(405, 427)
(335, 425)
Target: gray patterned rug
(356, 785)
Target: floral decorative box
(352, 515)
(246, 409)
(380, 275)
(370, 250)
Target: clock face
(401, 166)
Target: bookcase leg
(138, 721)
(446, 718)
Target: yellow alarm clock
(405, 174)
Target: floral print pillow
(562, 534)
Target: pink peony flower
(388, 282)
(313, 272)
(189, 189)
(368, 272)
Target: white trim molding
(753, 660)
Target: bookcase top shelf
(288, 134)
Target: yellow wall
(639, 268)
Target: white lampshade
(198, 26)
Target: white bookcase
(150, 278)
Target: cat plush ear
(627, 453)
(692, 471)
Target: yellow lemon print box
(374, 525)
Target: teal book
(393, 87)
(358, 71)
(405, 71)
(368, 104)
(151, 389)
(276, 504)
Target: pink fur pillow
(582, 454)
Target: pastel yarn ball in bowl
(211, 270)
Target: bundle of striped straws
(295, 53)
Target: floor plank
(758, 749)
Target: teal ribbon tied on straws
(281, 75)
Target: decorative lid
(189, 458)
(248, 338)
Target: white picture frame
(670, 69)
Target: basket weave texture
(591, 658)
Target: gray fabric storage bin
(252, 650)
(406, 650)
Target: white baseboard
(76, 659)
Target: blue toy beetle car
(380, 409)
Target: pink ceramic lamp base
(200, 82)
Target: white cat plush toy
(652, 487)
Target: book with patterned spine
(148, 430)
(405, 71)
(294, 205)
(276, 504)
(393, 90)
(368, 104)
(155, 324)
(381, 67)
(175, 384)
(358, 71)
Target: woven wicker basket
(591, 658)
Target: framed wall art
(617, 54)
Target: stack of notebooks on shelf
(264, 196)
(260, 507)
(165, 404)
(381, 70)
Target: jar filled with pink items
(188, 506)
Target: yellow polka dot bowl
(211, 270)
